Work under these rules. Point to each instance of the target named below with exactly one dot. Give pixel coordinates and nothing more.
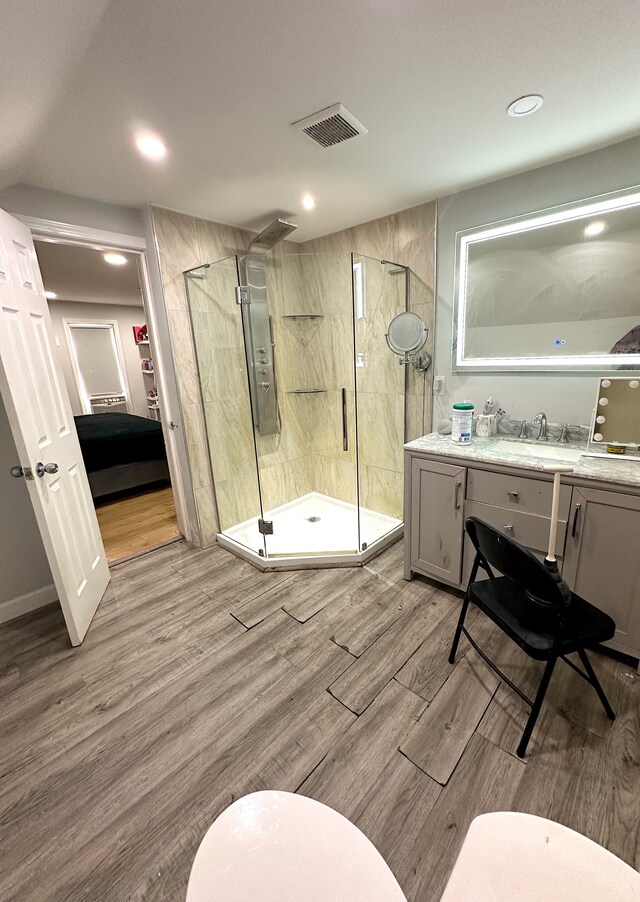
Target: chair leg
(535, 708)
(458, 632)
(595, 682)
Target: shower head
(274, 232)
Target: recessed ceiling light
(50, 295)
(524, 106)
(308, 202)
(594, 228)
(151, 147)
(115, 259)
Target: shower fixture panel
(252, 296)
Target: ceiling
(222, 82)
(82, 274)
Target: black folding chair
(527, 605)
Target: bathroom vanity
(502, 482)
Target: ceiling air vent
(330, 126)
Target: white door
(42, 424)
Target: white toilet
(509, 855)
(281, 847)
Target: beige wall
(307, 453)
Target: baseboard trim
(15, 607)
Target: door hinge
(243, 295)
(265, 527)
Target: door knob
(41, 468)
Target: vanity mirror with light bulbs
(615, 425)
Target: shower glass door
(380, 292)
(298, 329)
(217, 327)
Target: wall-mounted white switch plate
(438, 386)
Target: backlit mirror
(552, 290)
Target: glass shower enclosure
(304, 404)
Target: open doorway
(104, 349)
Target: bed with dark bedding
(121, 451)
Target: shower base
(314, 530)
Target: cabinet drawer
(527, 529)
(518, 493)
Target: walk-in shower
(304, 403)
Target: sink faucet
(541, 419)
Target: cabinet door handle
(508, 527)
(512, 494)
(574, 528)
(456, 500)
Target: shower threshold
(313, 531)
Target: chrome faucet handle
(523, 430)
(564, 435)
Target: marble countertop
(622, 472)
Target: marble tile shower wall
(309, 353)
(320, 287)
(185, 242)
(406, 238)
(212, 383)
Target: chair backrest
(516, 562)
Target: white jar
(462, 422)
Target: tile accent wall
(183, 243)
(307, 454)
(406, 238)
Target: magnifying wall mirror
(406, 336)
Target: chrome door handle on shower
(345, 426)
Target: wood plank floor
(203, 679)
(137, 522)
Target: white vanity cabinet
(598, 543)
